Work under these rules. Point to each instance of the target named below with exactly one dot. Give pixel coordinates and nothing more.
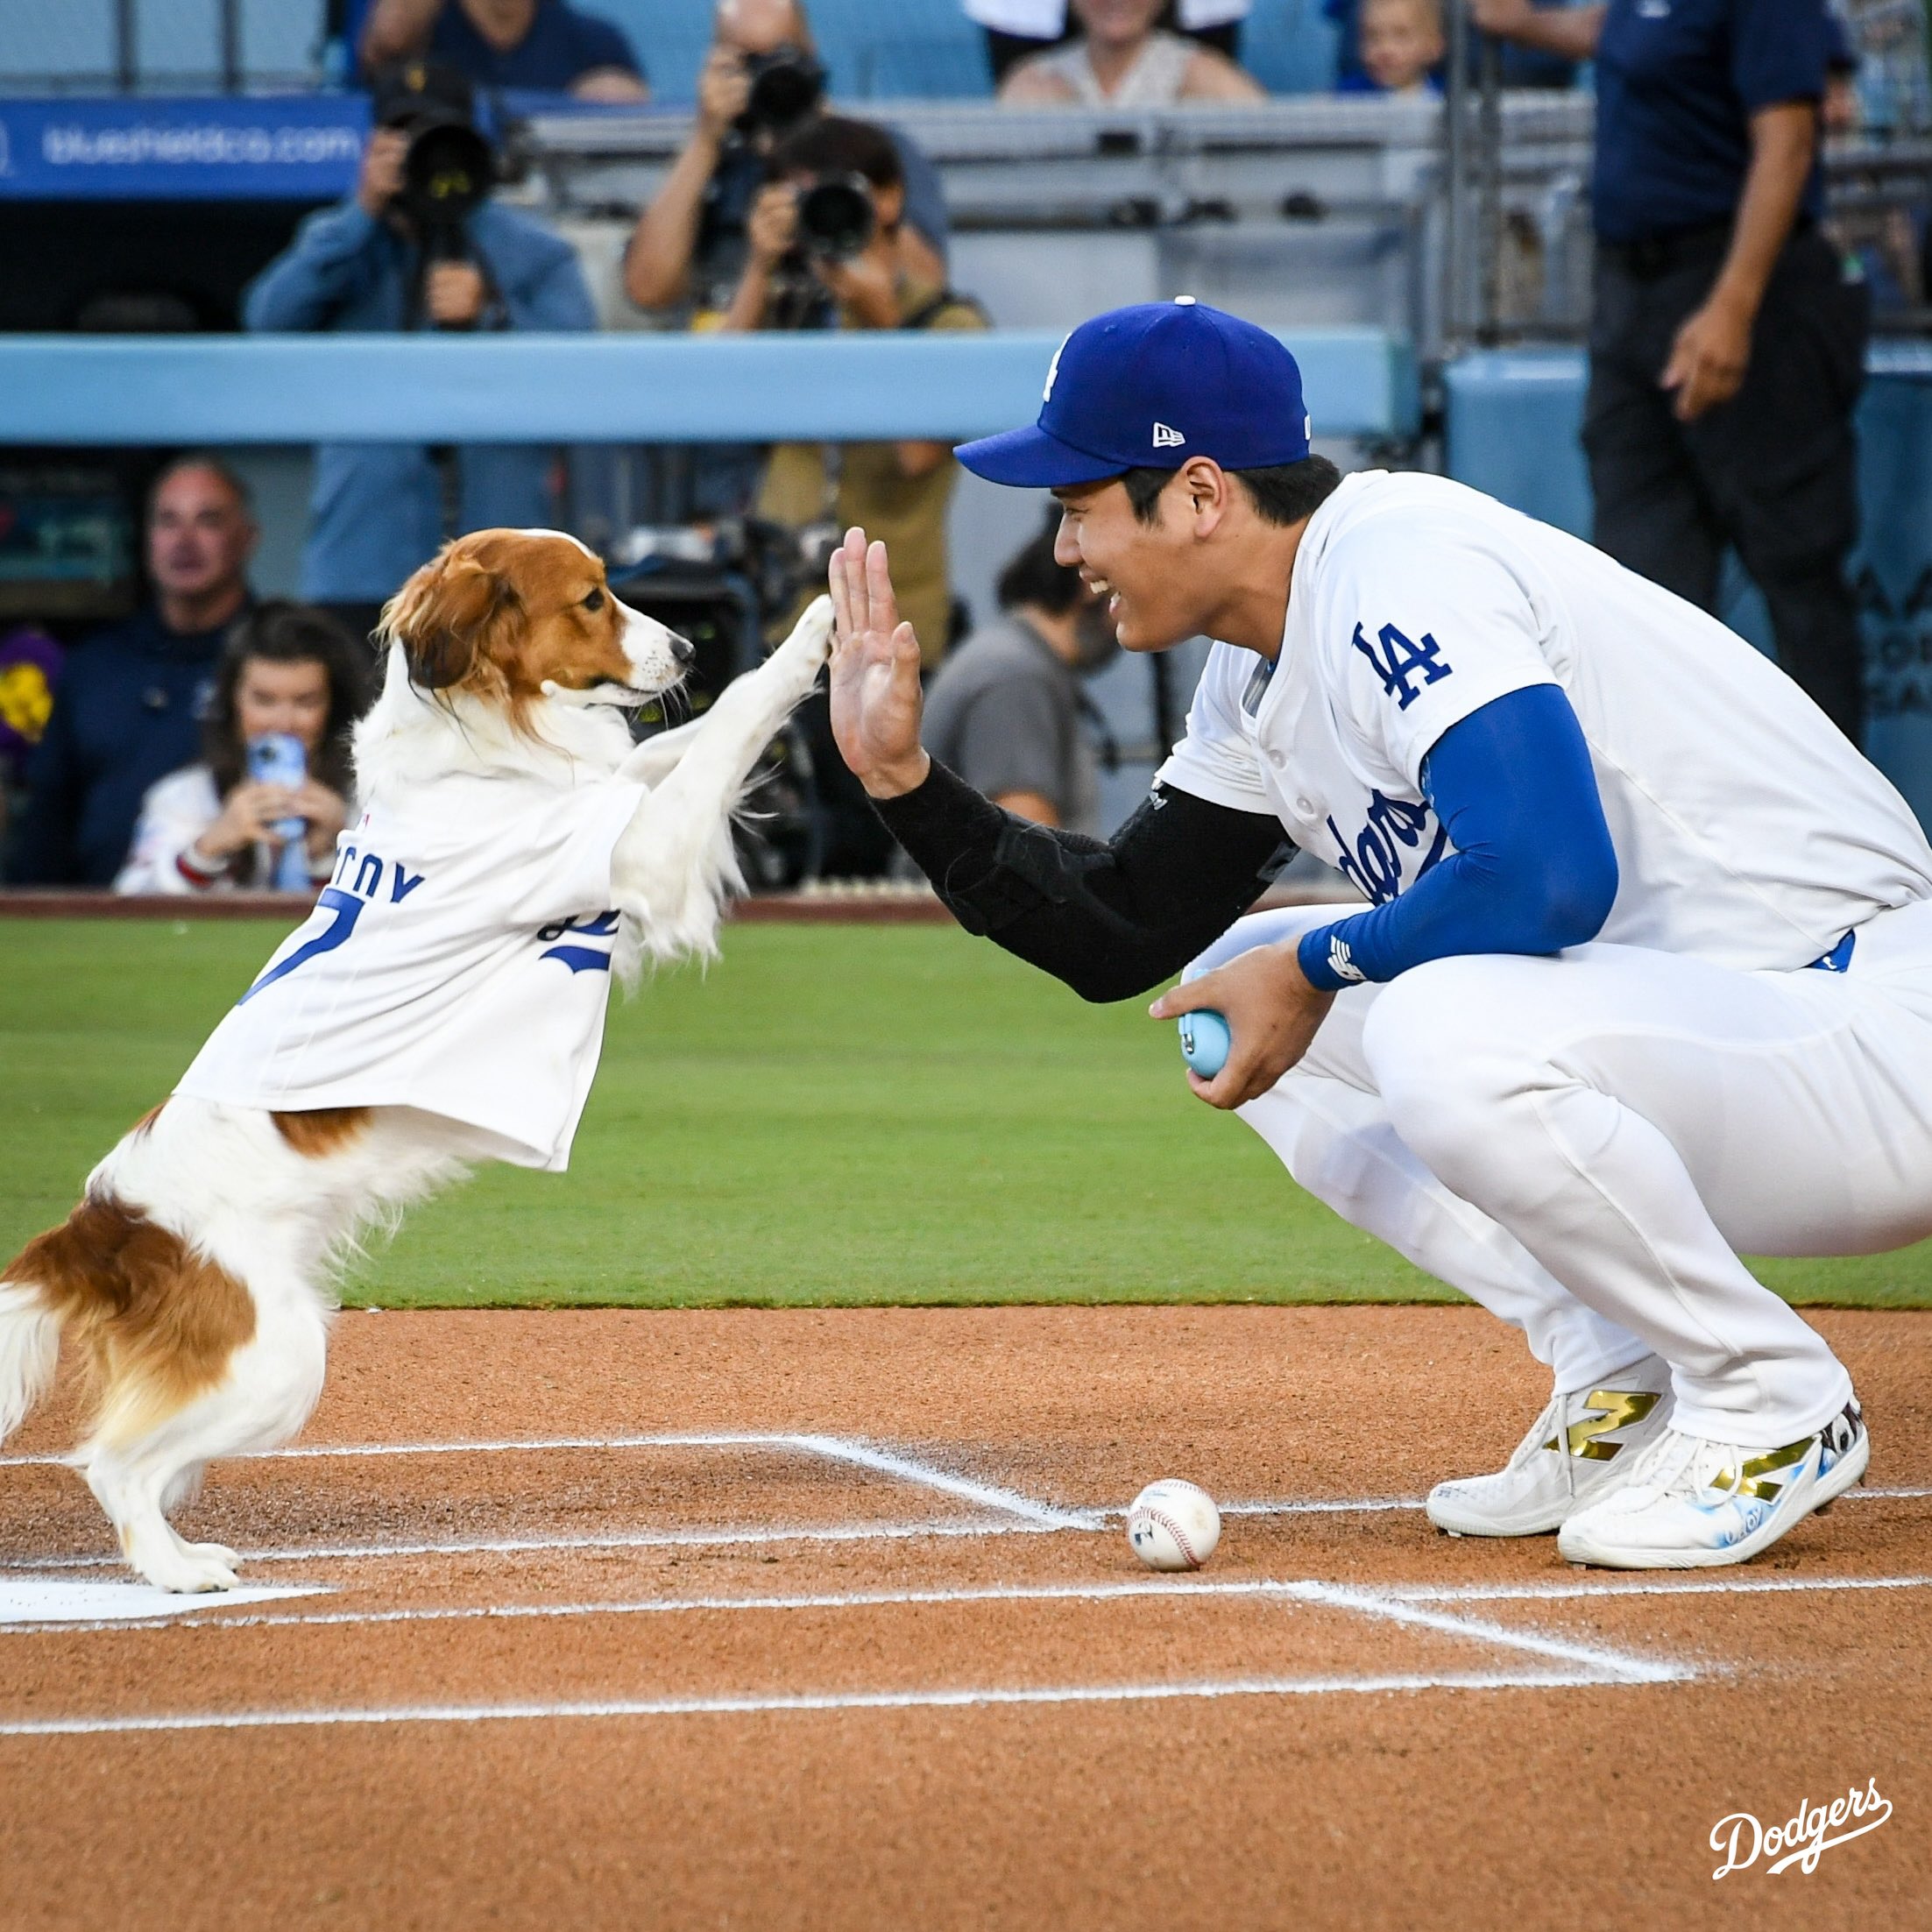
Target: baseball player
(1645, 975)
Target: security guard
(1728, 346)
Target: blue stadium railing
(161, 390)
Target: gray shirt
(1004, 712)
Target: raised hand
(875, 702)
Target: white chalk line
(610, 1539)
(966, 1699)
(849, 1450)
(210, 1614)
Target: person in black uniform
(1727, 349)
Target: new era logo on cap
(1118, 384)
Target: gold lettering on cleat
(1620, 1408)
(1751, 1479)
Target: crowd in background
(130, 761)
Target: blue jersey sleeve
(1533, 868)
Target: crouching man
(1645, 975)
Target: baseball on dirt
(1173, 1525)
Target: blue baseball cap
(1146, 387)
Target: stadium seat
(1290, 46)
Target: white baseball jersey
(1748, 831)
(458, 961)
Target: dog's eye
(594, 601)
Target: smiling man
(1645, 977)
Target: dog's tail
(30, 1342)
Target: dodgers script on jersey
(1748, 830)
(458, 961)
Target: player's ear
(444, 616)
(1207, 486)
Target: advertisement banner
(293, 148)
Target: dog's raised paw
(811, 636)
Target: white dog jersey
(458, 961)
(1748, 831)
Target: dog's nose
(683, 651)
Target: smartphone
(277, 758)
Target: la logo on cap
(1165, 438)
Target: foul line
(832, 1701)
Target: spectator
(541, 44)
(689, 246)
(211, 827)
(1727, 349)
(1521, 66)
(131, 697)
(1016, 28)
(1005, 709)
(1121, 59)
(377, 509)
(1402, 46)
(899, 491)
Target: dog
(444, 1003)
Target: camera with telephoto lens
(787, 85)
(447, 173)
(836, 216)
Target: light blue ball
(1205, 1040)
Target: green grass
(833, 1114)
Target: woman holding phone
(290, 679)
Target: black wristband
(952, 834)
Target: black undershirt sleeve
(1110, 919)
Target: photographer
(825, 252)
(419, 246)
(762, 81)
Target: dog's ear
(444, 615)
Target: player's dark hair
(1284, 492)
(1032, 577)
(283, 632)
(833, 145)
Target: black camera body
(787, 85)
(837, 216)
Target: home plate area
(910, 1583)
(828, 1617)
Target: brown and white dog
(196, 1274)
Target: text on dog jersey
(581, 958)
(341, 906)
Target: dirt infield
(775, 1618)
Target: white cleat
(1689, 1503)
(1577, 1450)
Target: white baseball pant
(1583, 1143)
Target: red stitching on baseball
(1173, 1529)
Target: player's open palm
(875, 702)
